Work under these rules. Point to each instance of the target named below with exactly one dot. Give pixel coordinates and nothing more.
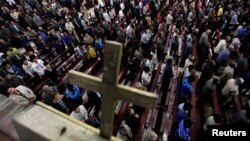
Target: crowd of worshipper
(31, 29)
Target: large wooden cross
(109, 88)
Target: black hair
(215, 81)
(217, 118)
(187, 106)
(187, 123)
(146, 69)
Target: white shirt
(82, 115)
(188, 63)
(28, 69)
(169, 19)
(230, 89)
(106, 17)
(121, 15)
(209, 121)
(122, 6)
(38, 67)
(221, 45)
(145, 78)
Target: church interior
(138, 70)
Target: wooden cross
(109, 88)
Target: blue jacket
(16, 71)
(73, 96)
(223, 56)
(183, 132)
(186, 88)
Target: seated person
(13, 70)
(231, 89)
(38, 66)
(51, 73)
(146, 76)
(27, 67)
(21, 95)
(183, 111)
(187, 88)
(60, 103)
(209, 88)
(79, 113)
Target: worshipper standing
(241, 118)
(37, 20)
(48, 94)
(72, 92)
(203, 48)
(209, 88)
(184, 110)
(38, 66)
(190, 70)
(10, 81)
(231, 89)
(79, 113)
(183, 132)
(167, 75)
(21, 95)
(60, 103)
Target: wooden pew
(145, 113)
(170, 120)
(166, 48)
(120, 116)
(195, 113)
(67, 61)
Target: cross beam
(110, 89)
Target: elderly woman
(21, 95)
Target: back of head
(215, 81)
(169, 61)
(187, 106)
(217, 118)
